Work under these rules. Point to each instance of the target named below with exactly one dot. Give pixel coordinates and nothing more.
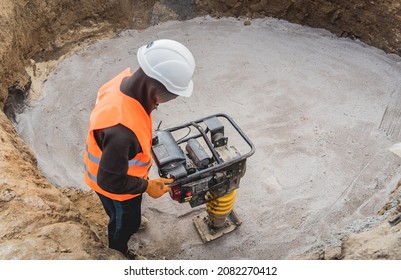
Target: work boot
(133, 255)
(144, 223)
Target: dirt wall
(377, 23)
(41, 30)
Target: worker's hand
(157, 187)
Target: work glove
(157, 187)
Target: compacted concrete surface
(321, 111)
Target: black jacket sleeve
(118, 144)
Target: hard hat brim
(187, 92)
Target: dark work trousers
(125, 219)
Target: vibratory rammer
(207, 170)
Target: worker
(119, 139)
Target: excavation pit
(321, 111)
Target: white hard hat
(169, 62)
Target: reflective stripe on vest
(132, 162)
(114, 107)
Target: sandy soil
(321, 111)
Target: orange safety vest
(114, 107)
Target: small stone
(7, 195)
(332, 252)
